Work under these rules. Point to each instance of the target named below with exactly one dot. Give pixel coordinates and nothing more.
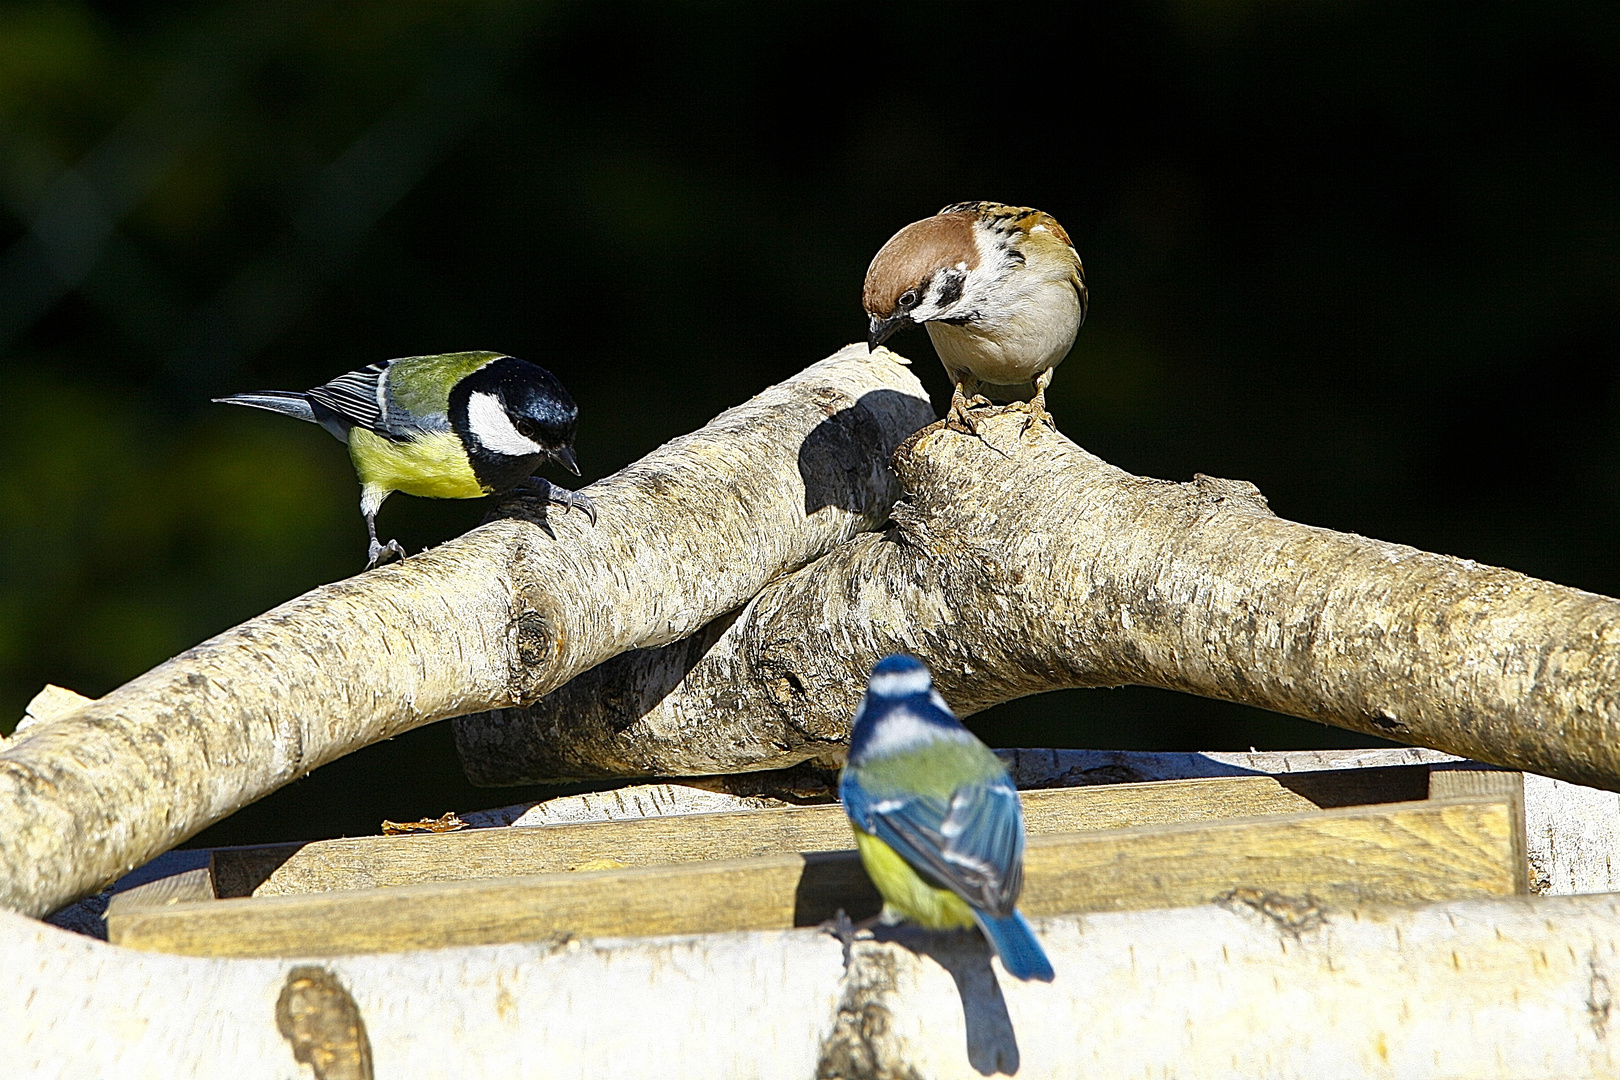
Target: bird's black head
(512, 417)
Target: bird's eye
(908, 299)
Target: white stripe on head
(901, 683)
(489, 424)
(902, 729)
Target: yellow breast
(905, 893)
(434, 466)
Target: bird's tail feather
(1021, 954)
(286, 402)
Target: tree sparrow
(1000, 289)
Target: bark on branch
(495, 618)
(1265, 986)
(1020, 563)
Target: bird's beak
(882, 330)
(570, 462)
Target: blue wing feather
(856, 802)
(973, 845)
(984, 834)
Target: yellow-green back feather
(420, 385)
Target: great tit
(453, 426)
(936, 817)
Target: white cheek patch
(493, 429)
(903, 730)
(900, 683)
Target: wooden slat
(1415, 852)
(1404, 853)
(373, 861)
(172, 878)
(1470, 779)
(186, 887)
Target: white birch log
(1260, 988)
(1019, 563)
(495, 618)
(1572, 837)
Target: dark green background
(1362, 254)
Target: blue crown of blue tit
(901, 690)
(449, 426)
(937, 818)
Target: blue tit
(936, 817)
(453, 426)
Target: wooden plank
(185, 887)
(374, 861)
(1034, 767)
(172, 878)
(1412, 853)
(1471, 779)
(1405, 853)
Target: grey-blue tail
(286, 402)
(1015, 943)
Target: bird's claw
(960, 415)
(382, 553)
(561, 496)
(846, 930)
(960, 418)
(1037, 415)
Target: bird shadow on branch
(841, 456)
(870, 988)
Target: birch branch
(1021, 563)
(495, 618)
(1265, 986)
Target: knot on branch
(1216, 492)
(861, 1045)
(789, 672)
(321, 1021)
(534, 645)
(1293, 915)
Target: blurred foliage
(1361, 253)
